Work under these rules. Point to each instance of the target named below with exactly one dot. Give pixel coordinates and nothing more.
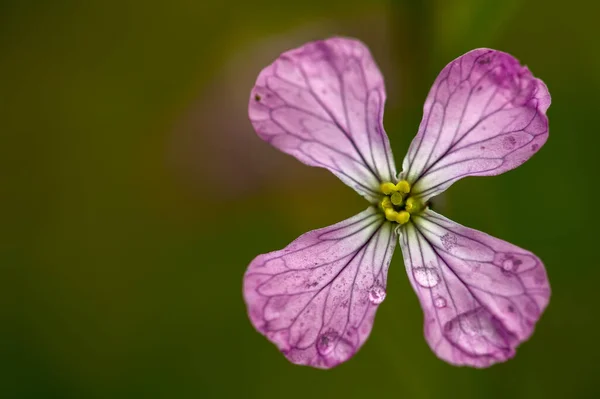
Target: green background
(134, 193)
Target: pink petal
(481, 296)
(323, 103)
(485, 115)
(316, 299)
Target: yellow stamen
(413, 205)
(403, 187)
(386, 203)
(402, 217)
(387, 188)
(410, 203)
(390, 214)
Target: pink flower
(316, 299)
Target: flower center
(397, 204)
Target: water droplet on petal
(478, 332)
(508, 265)
(377, 294)
(439, 302)
(426, 276)
(326, 342)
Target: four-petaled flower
(481, 296)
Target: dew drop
(476, 332)
(377, 294)
(326, 342)
(426, 276)
(508, 265)
(439, 302)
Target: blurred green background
(134, 193)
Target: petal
(323, 103)
(316, 299)
(485, 115)
(481, 296)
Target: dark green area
(134, 193)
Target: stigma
(397, 204)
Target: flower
(316, 299)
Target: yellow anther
(402, 217)
(410, 204)
(390, 214)
(386, 203)
(413, 205)
(396, 199)
(387, 188)
(403, 187)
